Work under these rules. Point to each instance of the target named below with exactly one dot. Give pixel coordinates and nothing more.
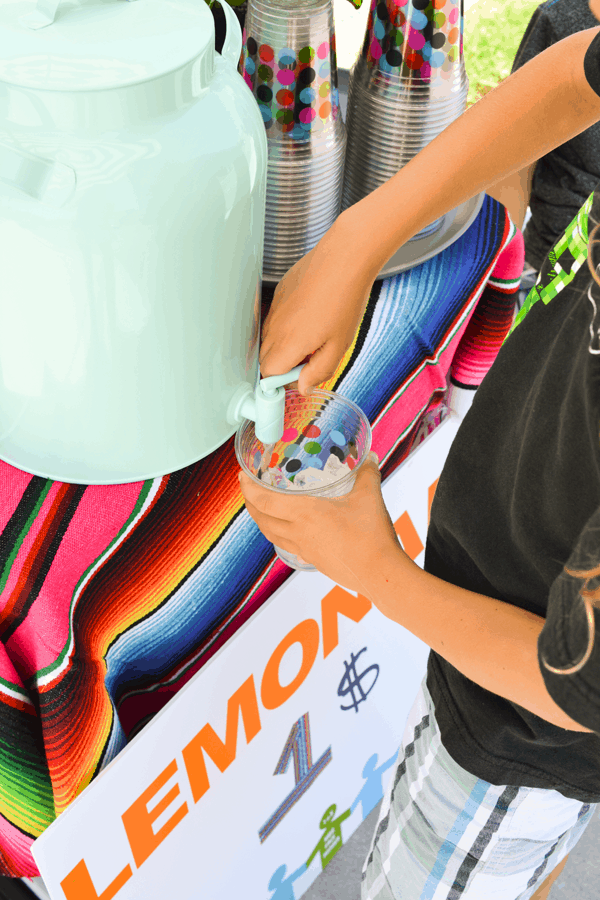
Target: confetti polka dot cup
(407, 85)
(326, 439)
(289, 63)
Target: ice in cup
(326, 439)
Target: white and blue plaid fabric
(444, 834)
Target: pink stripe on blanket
(102, 512)
(13, 483)
(492, 319)
(511, 261)
(17, 846)
(17, 566)
(412, 400)
(9, 674)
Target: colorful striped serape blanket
(113, 597)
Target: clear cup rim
(312, 491)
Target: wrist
(359, 231)
(379, 571)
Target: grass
(493, 32)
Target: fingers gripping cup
(325, 441)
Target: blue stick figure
(284, 889)
(372, 790)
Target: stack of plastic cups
(289, 62)
(407, 85)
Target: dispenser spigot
(265, 406)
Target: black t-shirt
(519, 498)
(591, 62)
(563, 178)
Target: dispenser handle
(232, 48)
(46, 180)
(270, 384)
(44, 14)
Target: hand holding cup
(345, 538)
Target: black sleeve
(591, 64)
(564, 638)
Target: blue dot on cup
(308, 95)
(418, 19)
(338, 438)
(265, 112)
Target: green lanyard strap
(562, 263)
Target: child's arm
(514, 192)
(353, 542)
(491, 642)
(319, 303)
(541, 106)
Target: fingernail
(374, 457)
(308, 391)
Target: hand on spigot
(317, 308)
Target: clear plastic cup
(316, 428)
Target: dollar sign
(352, 681)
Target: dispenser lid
(99, 44)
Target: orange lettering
(339, 601)
(406, 531)
(272, 693)
(222, 754)
(78, 884)
(138, 818)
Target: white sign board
(250, 779)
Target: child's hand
(345, 537)
(316, 310)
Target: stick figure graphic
(331, 840)
(284, 889)
(372, 790)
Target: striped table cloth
(112, 597)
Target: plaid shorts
(444, 834)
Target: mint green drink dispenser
(133, 161)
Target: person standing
(498, 773)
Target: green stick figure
(331, 841)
